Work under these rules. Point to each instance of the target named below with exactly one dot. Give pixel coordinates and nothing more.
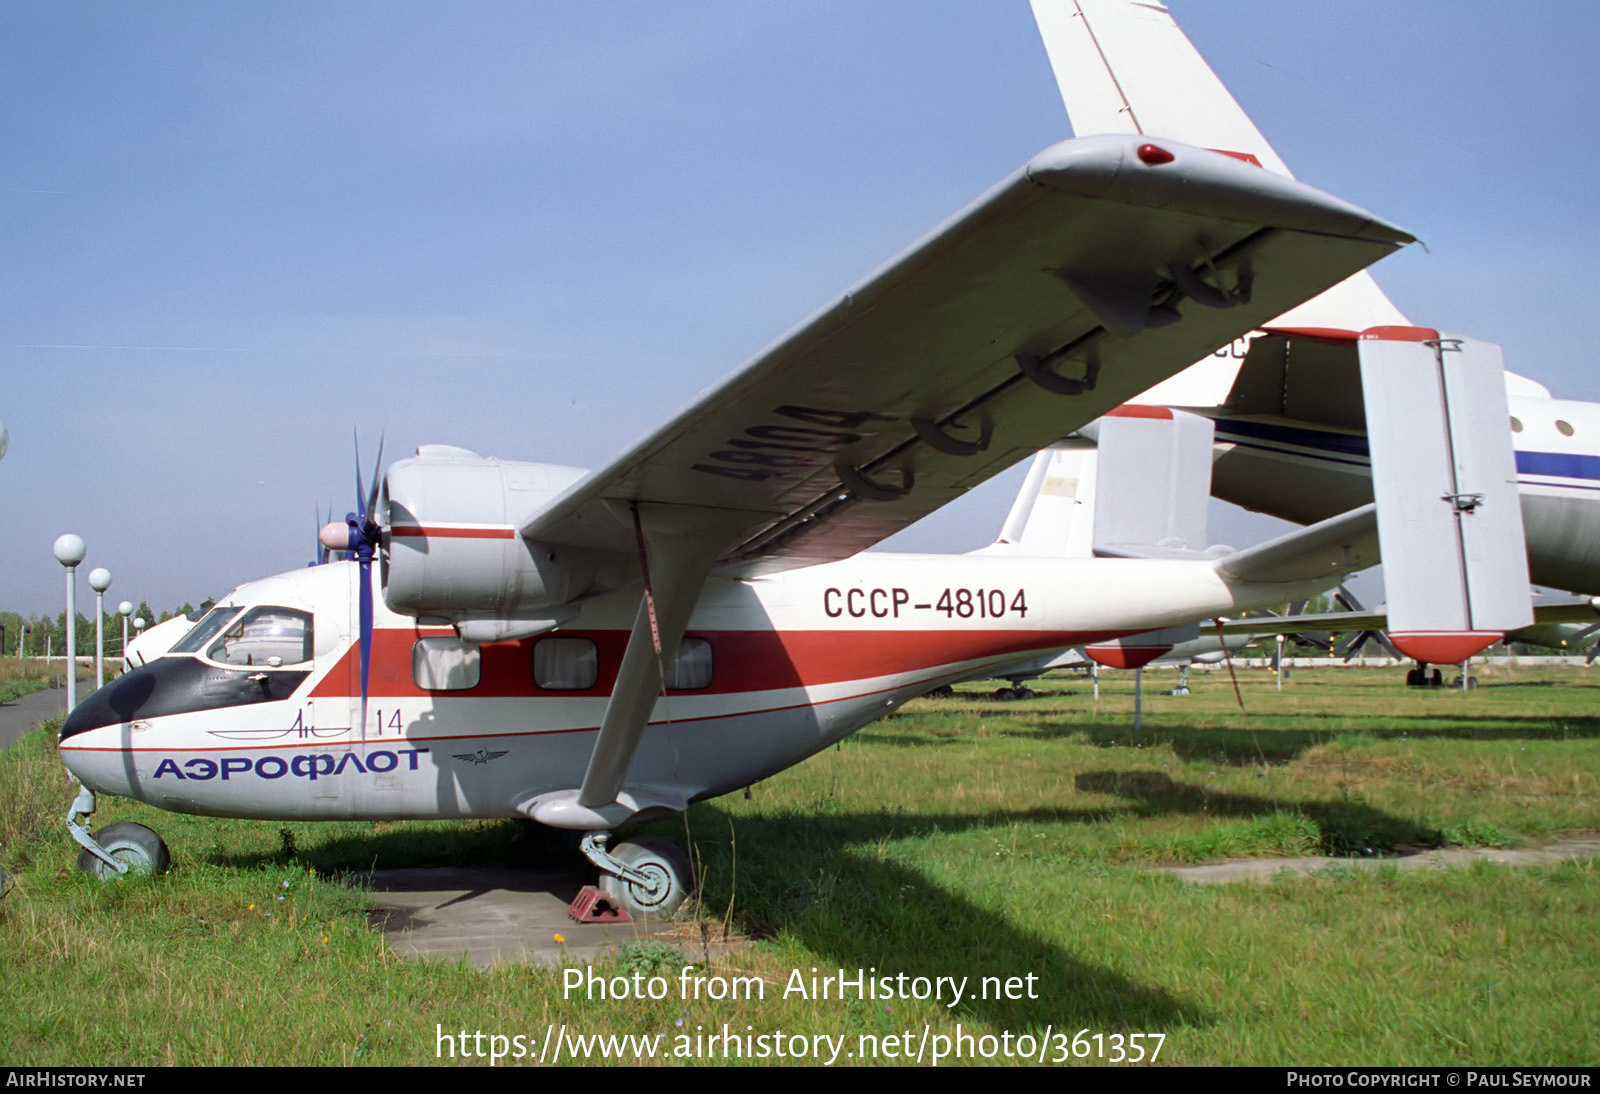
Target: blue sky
(233, 233)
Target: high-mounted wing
(1100, 267)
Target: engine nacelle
(454, 551)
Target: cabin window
(267, 637)
(691, 669)
(1564, 427)
(445, 663)
(566, 664)
(1516, 424)
(203, 631)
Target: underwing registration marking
(784, 450)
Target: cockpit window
(203, 631)
(265, 636)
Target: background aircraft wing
(1097, 269)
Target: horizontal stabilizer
(1328, 549)
(1553, 612)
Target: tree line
(40, 633)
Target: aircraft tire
(665, 862)
(1005, 695)
(139, 847)
(1027, 693)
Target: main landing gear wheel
(667, 867)
(134, 845)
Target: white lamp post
(125, 609)
(99, 581)
(69, 551)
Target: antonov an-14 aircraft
(590, 649)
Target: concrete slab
(494, 917)
(1585, 845)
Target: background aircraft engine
(454, 550)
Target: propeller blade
(361, 491)
(1389, 647)
(1348, 599)
(377, 482)
(364, 553)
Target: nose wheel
(134, 847)
(647, 876)
(117, 849)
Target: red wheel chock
(593, 905)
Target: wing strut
(678, 544)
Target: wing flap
(973, 349)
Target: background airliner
(1291, 430)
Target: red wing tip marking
(1139, 410)
(1399, 334)
(1337, 336)
(1443, 647)
(1118, 656)
(1243, 157)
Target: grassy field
(19, 678)
(961, 838)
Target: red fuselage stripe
(425, 532)
(742, 661)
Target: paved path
(21, 715)
(492, 917)
(1583, 845)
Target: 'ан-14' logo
(311, 766)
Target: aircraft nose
(116, 702)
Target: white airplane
(587, 650)
(1291, 427)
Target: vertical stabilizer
(1153, 481)
(1053, 515)
(1123, 66)
(1444, 477)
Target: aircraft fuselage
(773, 669)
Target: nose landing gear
(647, 876)
(117, 849)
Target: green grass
(960, 837)
(19, 678)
